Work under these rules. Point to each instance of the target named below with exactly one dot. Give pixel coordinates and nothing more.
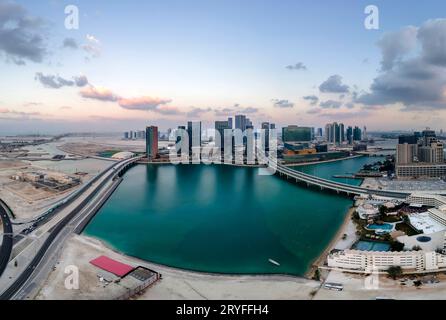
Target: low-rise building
(421, 170)
(373, 261)
(426, 200)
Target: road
(6, 247)
(10, 292)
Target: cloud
(224, 112)
(248, 110)
(349, 105)
(297, 66)
(334, 85)
(81, 81)
(166, 110)
(142, 103)
(32, 104)
(99, 93)
(432, 36)
(56, 82)
(395, 45)
(314, 111)
(330, 104)
(70, 43)
(92, 47)
(313, 99)
(344, 115)
(196, 112)
(418, 82)
(279, 103)
(21, 35)
(18, 114)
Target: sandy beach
(175, 283)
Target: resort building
(426, 200)
(367, 211)
(438, 214)
(421, 170)
(373, 261)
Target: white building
(367, 211)
(427, 200)
(373, 261)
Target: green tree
(394, 272)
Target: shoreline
(336, 238)
(155, 265)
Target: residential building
(152, 142)
(296, 134)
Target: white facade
(427, 200)
(369, 261)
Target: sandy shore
(175, 283)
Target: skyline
(133, 64)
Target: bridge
(324, 184)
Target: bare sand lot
(175, 284)
(12, 164)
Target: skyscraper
(335, 133)
(296, 134)
(240, 122)
(357, 134)
(350, 135)
(220, 127)
(194, 132)
(152, 142)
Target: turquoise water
(385, 226)
(372, 246)
(345, 167)
(220, 219)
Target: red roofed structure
(112, 266)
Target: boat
(274, 262)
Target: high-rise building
(406, 153)
(266, 127)
(410, 139)
(357, 134)
(350, 135)
(230, 123)
(240, 122)
(152, 142)
(194, 132)
(296, 134)
(248, 124)
(220, 127)
(335, 133)
(422, 148)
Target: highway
(329, 184)
(56, 230)
(6, 247)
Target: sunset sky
(136, 63)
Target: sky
(135, 63)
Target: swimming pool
(371, 246)
(381, 228)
